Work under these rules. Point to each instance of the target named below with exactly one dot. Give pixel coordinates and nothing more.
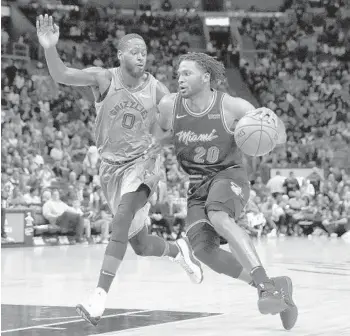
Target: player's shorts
(118, 180)
(226, 191)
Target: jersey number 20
(211, 155)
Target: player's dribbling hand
(48, 32)
(266, 115)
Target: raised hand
(48, 32)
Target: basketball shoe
(271, 300)
(94, 308)
(288, 316)
(187, 261)
(92, 311)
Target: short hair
(208, 63)
(126, 38)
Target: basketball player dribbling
(125, 99)
(202, 122)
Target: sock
(114, 255)
(259, 276)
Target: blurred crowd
(50, 163)
(294, 206)
(302, 72)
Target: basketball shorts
(118, 180)
(227, 191)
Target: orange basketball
(254, 136)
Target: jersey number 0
(128, 120)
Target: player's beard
(134, 70)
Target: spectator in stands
(160, 219)
(47, 129)
(32, 196)
(5, 37)
(276, 184)
(307, 189)
(291, 183)
(179, 214)
(101, 223)
(63, 216)
(16, 199)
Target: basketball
(255, 136)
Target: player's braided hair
(214, 67)
(126, 38)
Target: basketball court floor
(41, 285)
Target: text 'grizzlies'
(129, 105)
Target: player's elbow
(61, 77)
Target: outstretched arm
(48, 34)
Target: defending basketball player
(202, 122)
(126, 101)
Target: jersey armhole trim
(224, 122)
(176, 100)
(154, 91)
(103, 96)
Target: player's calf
(145, 245)
(115, 251)
(270, 300)
(180, 252)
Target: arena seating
(303, 75)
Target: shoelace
(283, 293)
(268, 291)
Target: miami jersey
(124, 119)
(204, 143)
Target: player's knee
(139, 244)
(220, 220)
(140, 249)
(203, 241)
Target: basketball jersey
(124, 119)
(203, 142)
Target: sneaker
(188, 262)
(93, 310)
(271, 301)
(288, 316)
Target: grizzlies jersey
(204, 145)
(124, 119)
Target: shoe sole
(291, 305)
(190, 259)
(86, 316)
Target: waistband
(150, 148)
(208, 176)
